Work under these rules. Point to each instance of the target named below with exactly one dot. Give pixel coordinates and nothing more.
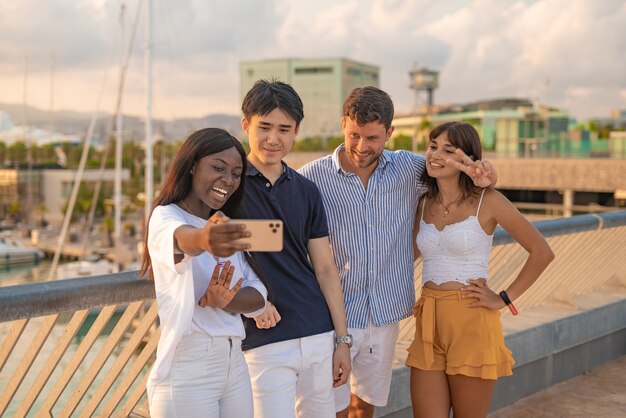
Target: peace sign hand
(482, 173)
(218, 294)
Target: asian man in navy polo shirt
(298, 349)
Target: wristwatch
(347, 339)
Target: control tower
(424, 80)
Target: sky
(65, 54)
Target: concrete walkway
(599, 393)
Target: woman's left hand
(219, 294)
(487, 298)
(482, 173)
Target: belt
(426, 304)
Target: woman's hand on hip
(487, 298)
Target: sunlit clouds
(570, 54)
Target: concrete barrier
(550, 344)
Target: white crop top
(455, 254)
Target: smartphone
(266, 234)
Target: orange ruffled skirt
(451, 337)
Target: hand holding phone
(266, 235)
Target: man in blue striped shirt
(370, 195)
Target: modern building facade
(511, 127)
(47, 188)
(321, 83)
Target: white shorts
(372, 355)
(293, 378)
(208, 378)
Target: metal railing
(83, 347)
(590, 254)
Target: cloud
(379, 32)
(578, 92)
(543, 50)
(551, 50)
(64, 29)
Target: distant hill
(77, 123)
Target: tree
(3, 153)
(42, 209)
(17, 152)
(308, 144)
(425, 127)
(41, 153)
(14, 211)
(83, 202)
(108, 225)
(402, 141)
(334, 142)
(130, 229)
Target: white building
(48, 187)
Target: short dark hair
(369, 104)
(464, 136)
(267, 95)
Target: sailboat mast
(28, 142)
(117, 231)
(52, 118)
(148, 125)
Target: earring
(191, 171)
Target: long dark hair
(178, 181)
(462, 135)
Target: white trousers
(293, 378)
(208, 378)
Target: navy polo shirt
(291, 280)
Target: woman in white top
(200, 370)
(458, 351)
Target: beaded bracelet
(508, 302)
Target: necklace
(446, 208)
(182, 203)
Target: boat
(12, 253)
(84, 268)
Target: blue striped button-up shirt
(371, 233)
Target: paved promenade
(599, 393)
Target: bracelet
(508, 302)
